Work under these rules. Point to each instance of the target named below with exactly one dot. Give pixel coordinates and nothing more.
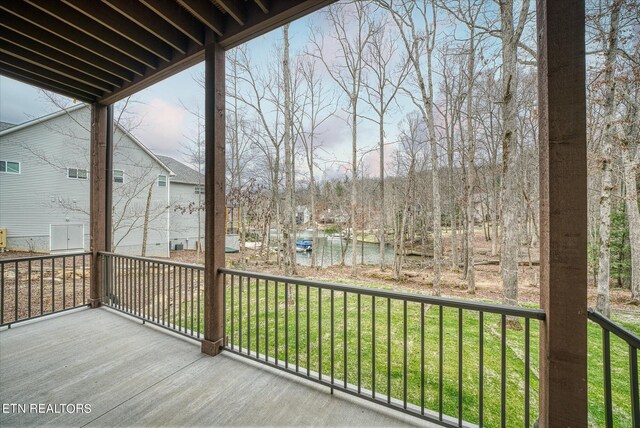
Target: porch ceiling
(106, 50)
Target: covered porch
(134, 375)
(156, 379)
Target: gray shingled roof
(6, 125)
(184, 173)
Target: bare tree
(490, 129)
(510, 34)
(419, 43)
(261, 92)
(352, 31)
(450, 111)
(631, 168)
(289, 222)
(387, 74)
(610, 41)
(193, 150)
(409, 163)
(628, 132)
(315, 110)
(469, 12)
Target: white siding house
(186, 205)
(44, 188)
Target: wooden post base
(95, 303)
(211, 348)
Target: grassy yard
(313, 350)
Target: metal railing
(32, 287)
(427, 356)
(608, 328)
(443, 360)
(163, 293)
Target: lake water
(329, 248)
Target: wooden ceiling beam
(55, 43)
(175, 15)
(194, 55)
(72, 35)
(263, 4)
(160, 28)
(206, 13)
(24, 42)
(257, 23)
(48, 74)
(39, 81)
(112, 20)
(232, 8)
(95, 31)
(53, 66)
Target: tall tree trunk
(145, 226)
(289, 212)
(200, 207)
(602, 301)
(314, 221)
(453, 218)
(471, 168)
(236, 159)
(435, 181)
(510, 201)
(495, 202)
(199, 241)
(399, 257)
(382, 205)
(414, 52)
(630, 170)
(354, 166)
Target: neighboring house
(6, 125)
(303, 215)
(336, 216)
(186, 203)
(44, 187)
(482, 202)
(187, 209)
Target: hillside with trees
(408, 131)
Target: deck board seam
(144, 390)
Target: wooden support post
(563, 212)
(100, 195)
(214, 198)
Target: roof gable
(6, 125)
(183, 173)
(42, 119)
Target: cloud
(163, 126)
(20, 102)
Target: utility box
(3, 239)
(66, 237)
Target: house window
(118, 176)
(10, 167)
(162, 180)
(77, 173)
(199, 190)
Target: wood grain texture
(136, 375)
(563, 213)
(215, 183)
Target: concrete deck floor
(137, 375)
